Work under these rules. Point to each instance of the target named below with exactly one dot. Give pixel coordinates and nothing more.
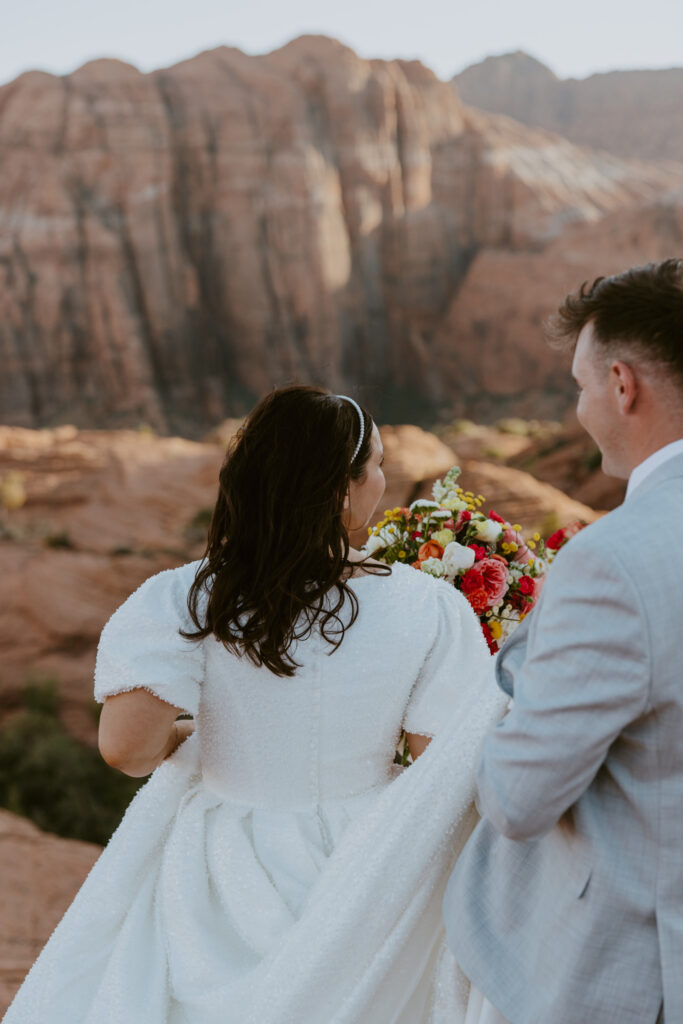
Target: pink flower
(495, 576)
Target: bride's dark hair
(277, 544)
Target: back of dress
(327, 733)
(276, 869)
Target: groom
(566, 906)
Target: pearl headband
(356, 406)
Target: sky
(574, 39)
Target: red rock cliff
(173, 244)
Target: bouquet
(485, 557)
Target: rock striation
(174, 244)
(41, 874)
(634, 114)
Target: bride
(277, 868)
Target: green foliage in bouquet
(60, 784)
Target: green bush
(59, 540)
(62, 785)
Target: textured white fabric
(481, 1011)
(278, 869)
(653, 462)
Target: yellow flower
(401, 554)
(537, 536)
(517, 528)
(531, 544)
(496, 629)
(508, 549)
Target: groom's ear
(624, 385)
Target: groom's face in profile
(596, 408)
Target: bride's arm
(417, 744)
(138, 731)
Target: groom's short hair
(637, 313)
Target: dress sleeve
(140, 646)
(457, 661)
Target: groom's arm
(584, 677)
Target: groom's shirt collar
(653, 462)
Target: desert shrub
(41, 694)
(196, 530)
(48, 776)
(58, 540)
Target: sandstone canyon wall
(174, 244)
(635, 114)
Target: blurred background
(200, 202)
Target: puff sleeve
(457, 663)
(140, 646)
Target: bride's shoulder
(164, 592)
(405, 580)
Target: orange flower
(430, 549)
(479, 599)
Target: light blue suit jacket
(566, 906)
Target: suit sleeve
(581, 677)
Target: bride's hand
(182, 728)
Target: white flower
(433, 566)
(423, 503)
(441, 513)
(456, 557)
(375, 543)
(487, 530)
(509, 620)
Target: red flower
(527, 585)
(479, 551)
(463, 517)
(494, 515)
(486, 630)
(417, 535)
(556, 540)
(471, 581)
(448, 525)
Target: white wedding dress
(278, 869)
